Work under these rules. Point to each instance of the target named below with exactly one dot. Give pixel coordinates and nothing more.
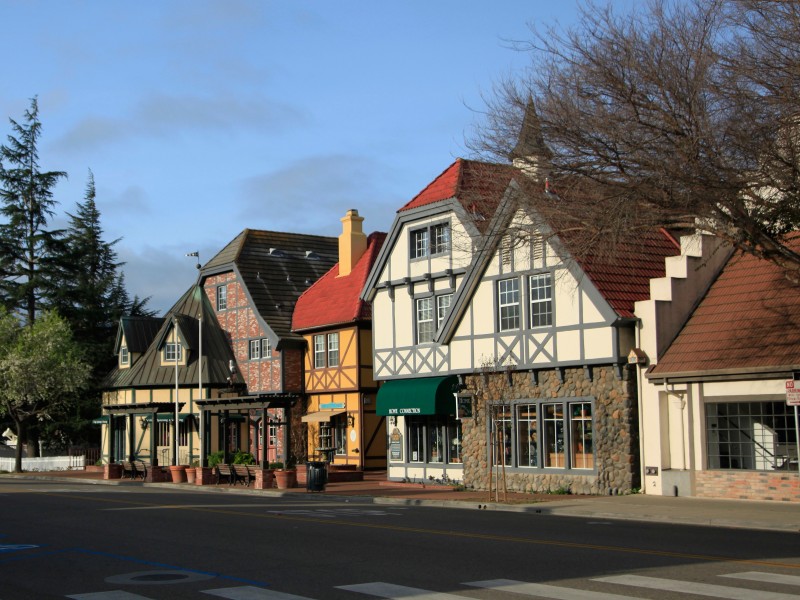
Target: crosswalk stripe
(392, 591)
(112, 595)
(691, 587)
(544, 591)
(249, 592)
(766, 577)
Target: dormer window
(430, 240)
(173, 352)
(124, 356)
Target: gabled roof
(276, 268)
(217, 354)
(138, 332)
(334, 300)
(478, 186)
(748, 320)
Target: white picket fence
(46, 463)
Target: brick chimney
(352, 242)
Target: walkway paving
(774, 516)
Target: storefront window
(340, 435)
(582, 455)
(751, 435)
(554, 435)
(436, 433)
(325, 435)
(527, 435)
(501, 435)
(454, 436)
(416, 439)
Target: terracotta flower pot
(178, 473)
(285, 478)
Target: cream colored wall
(474, 342)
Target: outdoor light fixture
(351, 421)
(143, 423)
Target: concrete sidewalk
(773, 516)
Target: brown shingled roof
(750, 318)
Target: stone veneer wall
(616, 437)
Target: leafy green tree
(28, 248)
(40, 371)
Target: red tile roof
(334, 300)
(625, 278)
(622, 281)
(477, 185)
(750, 318)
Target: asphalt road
(62, 540)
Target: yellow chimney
(352, 242)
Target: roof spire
(531, 154)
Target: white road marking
(248, 592)
(396, 592)
(766, 577)
(692, 587)
(544, 591)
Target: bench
(127, 469)
(227, 473)
(244, 473)
(140, 469)
(133, 469)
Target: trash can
(316, 476)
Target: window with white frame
(173, 352)
(440, 238)
(260, 349)
(124, 355)
(319, 351)
(430, 240)
(419, 243)
(222, 297)
(424, 320)
(333, 349)
(541, 295)
(442, 306)
(508, 304)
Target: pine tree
(28, 249)
(92, 298)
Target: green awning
(423, 396)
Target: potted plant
(285, 477)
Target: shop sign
(331, 405)
(396, 445)
(405, 411)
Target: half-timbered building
(502, 356)
(336, 323)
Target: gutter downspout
(640, 400)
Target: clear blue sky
(200, 119)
